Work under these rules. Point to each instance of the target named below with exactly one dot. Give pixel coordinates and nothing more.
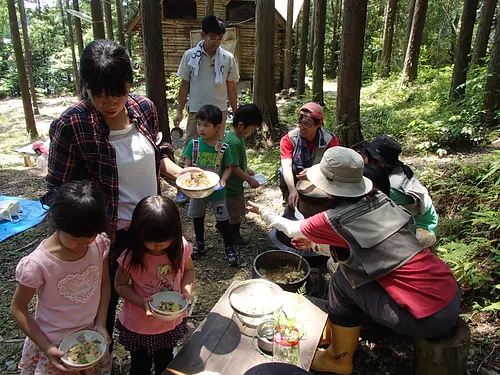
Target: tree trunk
(413, 50)
(483, 31)
(409, 22)
(350, 70)
(263, 84)
(27, 52)
(97, 20)
(337, 10)
(461, 63)
(319, 50)
(453, 39)
(78, 28)
(287, 76)
(21, 70)
(73, 54)
(390, 17)
(209, 7)
(301, 79)
(311, 36)
(491, 99)
(120, 21)
(108, 17)
(63, 20)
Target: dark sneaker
(232, 256)
(241, 240)
(181, 198)
(199, 249)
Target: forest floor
(381, 352)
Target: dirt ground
(380, 352)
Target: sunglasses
(306, 121)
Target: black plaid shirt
(80, 148)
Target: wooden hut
(181, 25)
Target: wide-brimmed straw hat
(308, 189)
(340, 173)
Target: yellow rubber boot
(337, 357)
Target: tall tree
(108, 18)
(263, 84)
(301, 79)
(337, 17)
(27, 52)
(287, 75)
(21, 70)
(390, 17)
(461, 63)
(78, 28)
(413, 50)
(318, 50)
(73, 54)
(483, 31)
(491, 99)
(311, 36)
(409, 21)
(120, 21)
(97, 19)
(350, 70)
(63, 21)
(209, 7)
(154, 62)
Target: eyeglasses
(214, 40)
(306, 121)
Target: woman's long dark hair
(155, 219)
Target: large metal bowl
(198, 193)
(254, 300)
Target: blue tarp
(33, 213)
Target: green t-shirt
(234, 184)
(427, 221)
(206, 159)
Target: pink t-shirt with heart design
(156, 276)
(68, 293)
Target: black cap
(384, 149)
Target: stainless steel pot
(265, 335)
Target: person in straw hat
(384, 271)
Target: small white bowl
(167, 296)
(69, 341)
(198, 193)
(261, 179)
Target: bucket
(275, 259)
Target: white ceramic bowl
(69, 341)
(167, 296)
(197, 192)
(261, 179)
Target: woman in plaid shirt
(110, 136)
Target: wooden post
(445, 355)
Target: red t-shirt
(424, 285)
(286, 146)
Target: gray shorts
(236, 205)
(198, 208)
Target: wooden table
(222, 344)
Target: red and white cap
(316, 110)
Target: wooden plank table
(222, 344)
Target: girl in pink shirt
(69, 273)
(159, 258)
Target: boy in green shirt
(245, 121)
(208, 152)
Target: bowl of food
(82, 349)
(168, 305)
(198, 184)
(255, 301)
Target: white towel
(194, 62)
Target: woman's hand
(104, 333)
(186, 294)
(301, 243)
(190, 169)
(54, 357)
(253, 207)
(302, 174)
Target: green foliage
(265, 161)
(173, 84)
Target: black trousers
(141, 361)
(122, 241)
